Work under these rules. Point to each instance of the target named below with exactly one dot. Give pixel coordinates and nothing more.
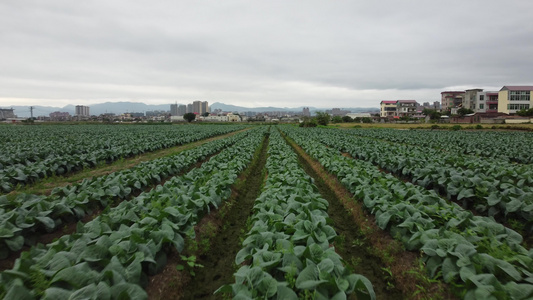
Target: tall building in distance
(174, 109)
(196, 106)
(182, 109)
(189, 108)
(306, 112)
(204, 107)
(82, 111)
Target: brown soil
(216, 244)
(400, 268)
(351, 244)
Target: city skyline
(261, 53)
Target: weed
(340, 241)
(517, 225)
(425, 281)
(389, 278)
(39, 281)
(355, 261)
(358, 243)
(191, 263)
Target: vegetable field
(266, 212)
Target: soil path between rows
(350, 243)
(218, 239)
(401, 268)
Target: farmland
(265, 212)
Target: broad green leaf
(128, 291)
(308, 278)
(19, 292)
(54, 293)
(78, 276)
(15, 243)
(363, 288)
(285, 293)
(465, 193)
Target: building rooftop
(388, 102)
(452, 92)
(517, 88)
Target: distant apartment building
(82, 111)
(136, 115)
(406, 108)
(388, 108)
(6, 113)
(451, 99)
(197, 107)
(246, 113)
(182, 109)
(514, 98)
(306, 112)
(174, 109)
(398, 108)
(486, 102)
(204, 107)
(60, 116)
(190, 108)
(157, 113)
(337, 112)
(469, 98)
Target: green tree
(189, 117)
(206, 114)
(464, 111)
(322, 118)
(432, 113)
(525, 112)
(336, 119)
(347, 119)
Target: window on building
(481, 106)
(519, 95)
(517, 106)
(481, 97)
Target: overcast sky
(259, 53)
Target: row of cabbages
(287, 251)
(484, 259)
(111, 256)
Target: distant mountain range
(125, 107)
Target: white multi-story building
(486, 102)
(82, 111)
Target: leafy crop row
(484, 259)
(288, 247)
(27, 215)
(111, 256)
(492, 187)
(510, 146)
(29, 153)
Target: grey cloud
(260, 52)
